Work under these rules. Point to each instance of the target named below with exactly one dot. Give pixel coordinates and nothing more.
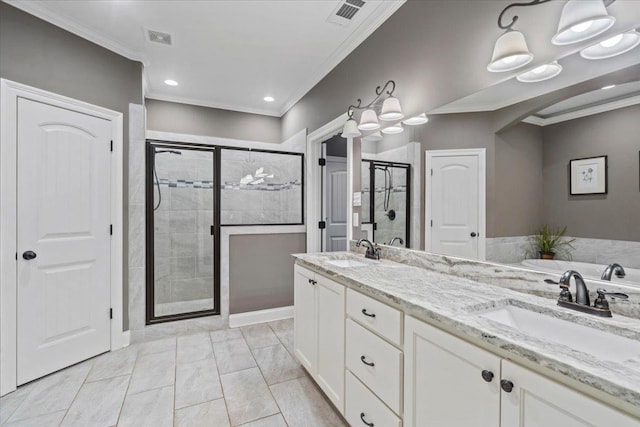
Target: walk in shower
(385, 210)
(181, 244)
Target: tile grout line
(224, 399)
(126, 393)
(269, 387)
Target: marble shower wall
(512, 250)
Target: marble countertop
(455, 302)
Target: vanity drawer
(375, 315)
(376, 363)
(364, 407)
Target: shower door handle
(212, 230)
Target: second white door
(336, 204)
(63, 289)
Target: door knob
(29, 255)
(473, 234)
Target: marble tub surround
(454, 303)
(510, 277)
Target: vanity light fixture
(613, 46)
(393, 129)
(391, 111)
(269, 99)
(541, 73)
(374, 137)
(416, 120)
(581, 20)
(170, 82)
(509, 53)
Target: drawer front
(376, 363)
(364, 407)
(375, 315)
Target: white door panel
(455, 205)
(336, 209)
(63, 216)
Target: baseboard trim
(260, 316)
(126, 339)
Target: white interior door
(455, 203)
(63, 211)
(336, 187)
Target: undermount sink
(600, 344)
(346, 263)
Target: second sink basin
(601, 344)
(346, 263)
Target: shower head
(156, 151)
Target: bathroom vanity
(395, 344)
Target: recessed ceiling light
(608, 87)
(170, 82)
(269, 99)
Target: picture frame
(588, 175)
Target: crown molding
(219, 105)
(584, 112)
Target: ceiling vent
(159, 37)
(345, 11)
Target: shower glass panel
(260, 187)
(388, 206)
(181, 210)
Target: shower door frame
(150, 317)
(372, 197)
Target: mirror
(574, 162)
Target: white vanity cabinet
(448, 383)
(319, 318)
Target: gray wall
(259, 276)
(614, 215)
(194, 120)
(39, 54)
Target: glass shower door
(181, 279)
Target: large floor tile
(248, 396)
(286, 338)
(208, 414)
(53, 393)
(303, 405)
(225, 335)
(10, 402)
(153, 371)
(233, 355)
(281, 325)
(152, 408)
(259, 335)
(48, 420)
(158, 346)
(194, 347)
(272, 421)
(97, 403)
(197, 382)
(114, 364)
(276, 364)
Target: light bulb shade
(393, 129)
(369, 120)
(374, 137)
(391, 109)
(416, 120)
(580, 20)
(510, 52)
(541, 73)
(350, 129)
(608, 49)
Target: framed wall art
(588, 176)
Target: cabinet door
(330, 314)
(444, 385)
(536, 401)
(304, 317)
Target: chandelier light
(417, 120)
(509, 53)
(581, 20)
(613, 46)
(369, 120)
(541, 73)
(374, 137)
(393, 129)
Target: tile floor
(234, 377)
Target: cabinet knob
(364, 360)
(365, 421)
(506, 385)
(487, 376)
(364, 311)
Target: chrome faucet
(373, 252)
(582, 302)
(399, 239)
(613, 268)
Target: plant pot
(544, 255)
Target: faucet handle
(602, 303)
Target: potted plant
(549, 242)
